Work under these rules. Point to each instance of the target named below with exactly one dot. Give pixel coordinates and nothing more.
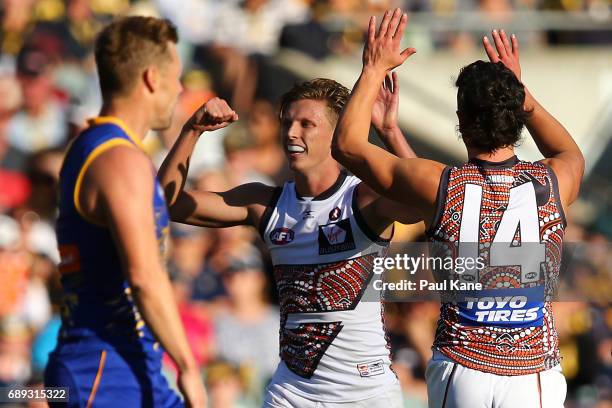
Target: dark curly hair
(490, 102)
(321, 89)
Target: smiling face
(307, 128)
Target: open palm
(384, 111)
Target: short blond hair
(127, 46)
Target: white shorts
(280, 397)
(451, 385)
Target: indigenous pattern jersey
(508, 216)
(332, 343)
(97, 309)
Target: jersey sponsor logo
(371, 369)
(334, 214)
(336, 237)
(282, 236)
(519, 307)
(308, 214)
(500, 178)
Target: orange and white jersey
(509, 215)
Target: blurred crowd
(222, 277)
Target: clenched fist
(214, 114)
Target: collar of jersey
(100, 120)
(327, 193)
(505, 163)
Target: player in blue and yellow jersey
(118, 311)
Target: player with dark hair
(495, 206)
(118, 310)
(323, 230)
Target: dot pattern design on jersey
(501, 350)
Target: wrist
(189, 365)
(388, 133)
(530, 102)
(373, 73)
(189, 130)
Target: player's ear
(150, 77)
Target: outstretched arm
(552, 139)
(410, 181)
(204, 208)
(384, 118)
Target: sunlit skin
(170, 87)
(308, 124)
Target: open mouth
(292, 148)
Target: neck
(130, 112)
(317, 180)
(498, 155)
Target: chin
(162, 125)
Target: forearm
(173, 171)
(157, 305)
(351, 135)
(396, 143)
(549, 135)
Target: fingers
(407, 53)
(515, 46)
(394, 24)
(384, 24)
(219, 111)
(506, 42)
(491, 53)
(387, 84)
(399, 32)
(395, 82)
(372, 29)
(499, 45)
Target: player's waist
(507, 364)
(351, 319)
(78, 339)
(339, 386)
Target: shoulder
(122, 165)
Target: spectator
(41, 122)
(247, 334)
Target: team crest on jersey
(334, 214)
(282, 236)
(336, 237)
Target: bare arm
(552, 139)
(384, 118)
(238, 206)
(126, 172)
(413, 182)
(242, 205)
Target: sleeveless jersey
(98, 311)
(507, 214)
(333, 346)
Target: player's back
(508, 216)
(97, 308)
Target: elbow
(140, 280)
(341, 150)
(336, 150)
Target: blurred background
(250, 52)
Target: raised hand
(384, 112)
(506, 51)
(382, 48)
(214, 114)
